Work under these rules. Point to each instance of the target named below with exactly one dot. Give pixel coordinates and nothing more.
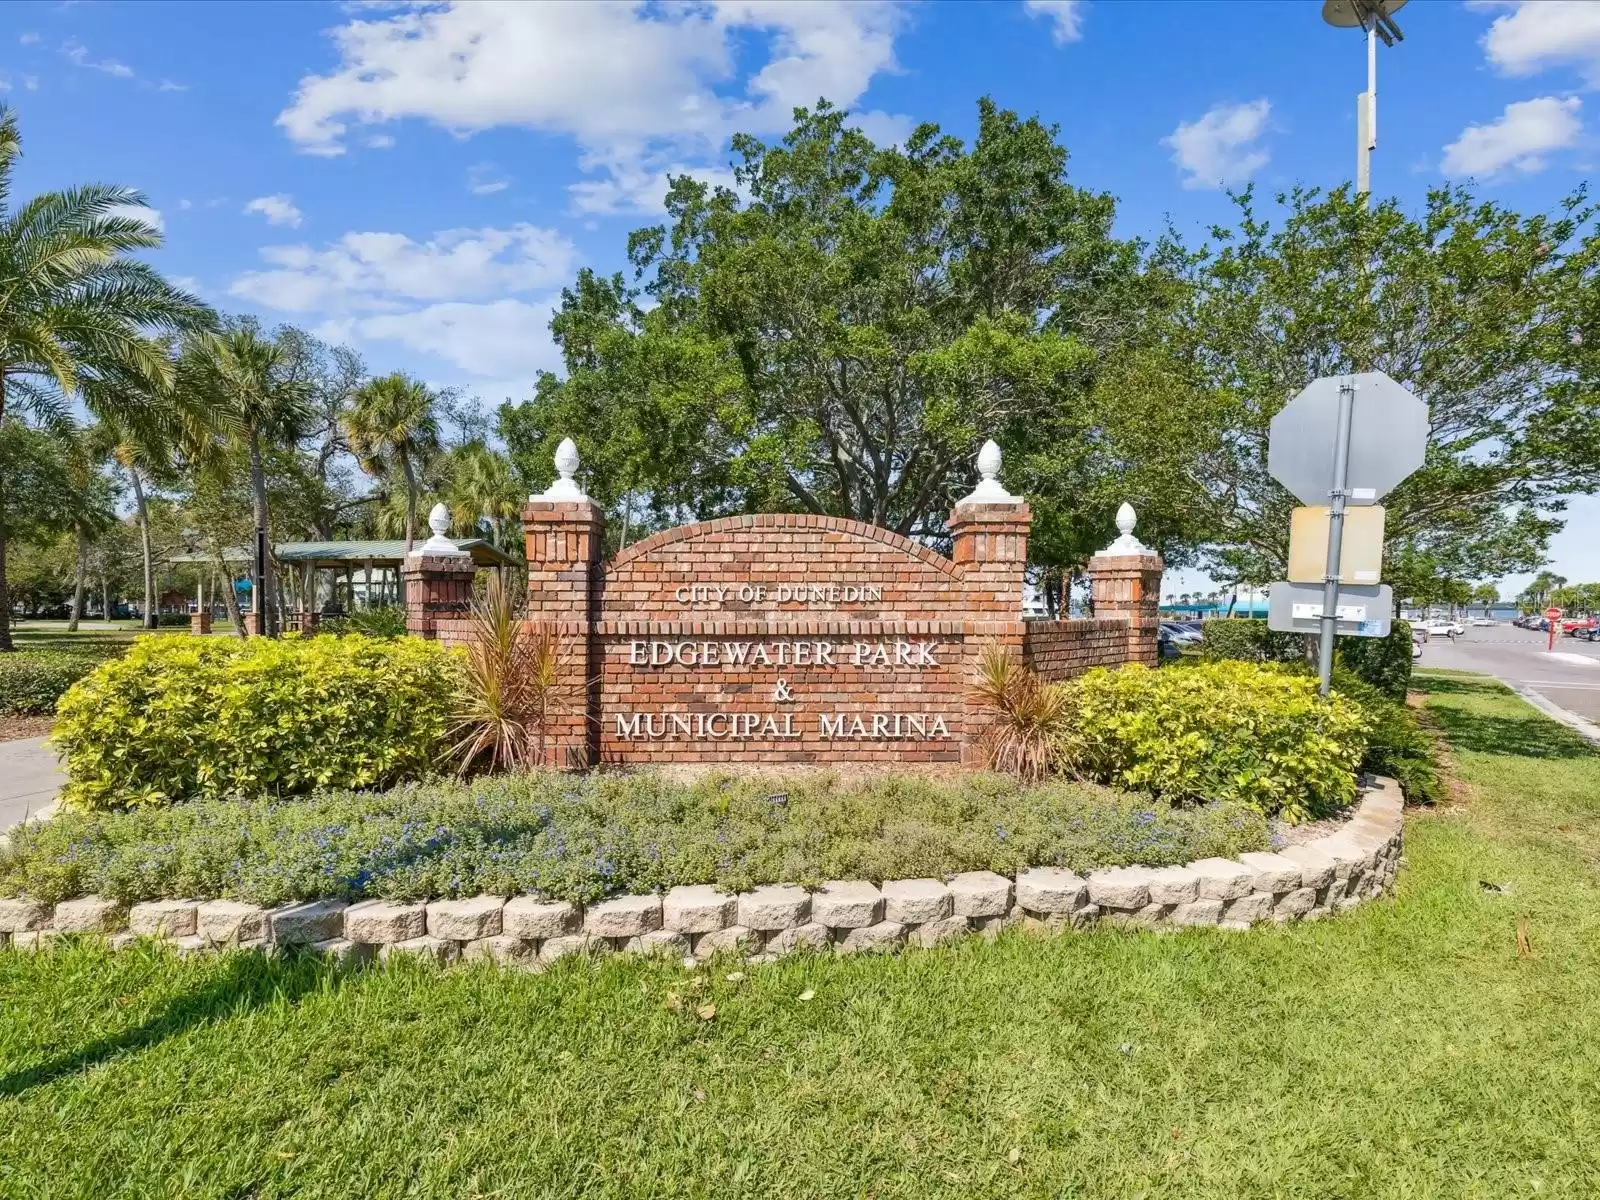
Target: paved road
(29, 779)
(1568, 677)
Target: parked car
(1416, 643)
(1440, 628)
(1483, 621)
(1591, 634)
(1179, 633)
(1572, 625)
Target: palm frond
(1025, 715)
(510, 689)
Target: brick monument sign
(788, 637)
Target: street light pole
(1367, 120)
(1374, 18)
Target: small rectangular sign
(1360, 611)
(1361, 548)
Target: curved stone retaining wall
(1304, 882)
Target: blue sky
(421, 180)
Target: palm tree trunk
(5, 592)
(411, 499)
(262, 587)
(142, 515)
(105, 597)
(82, 569)
(230, 596)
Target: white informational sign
(1360, 612)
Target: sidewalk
(30, 777)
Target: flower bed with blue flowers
(582, 838)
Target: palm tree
(75, 308)
(263, 404)
(393, 422)
(482, 487)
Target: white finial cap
(989, 490)
(565, 487)
(439, 522)
(1126, 543)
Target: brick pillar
(1125, 581)
(200, 622)
(564, 540)
(438, 592)
(991, 541)
(252, 623)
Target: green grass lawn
(1404, 1050)
(91, 635)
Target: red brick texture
(776, 638)
(1128, 586)
(438, 591)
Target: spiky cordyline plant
(511, 686)
(1026, 715)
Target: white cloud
(168, 85)
(31, 82)
(630, 187)
(479, 299)
(1547, 34)
(637, 86)
(379, 141)
(1518, 140)
(481, 180)
(1065, 15)
(502, 338)
(140, 212)
(389, 271)
(29, 39)
(278, 209)
(1221, 148)
(77, 54)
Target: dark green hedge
(31, 681)
(1385, 663)
(1249, 639)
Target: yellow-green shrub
(1217, 731)
(180, 717)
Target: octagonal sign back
(1388, 438)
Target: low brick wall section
(1059, 650)
(1306, 882)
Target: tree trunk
(142, 516)
(230, 597)
(81, 569)
(105, 597)
(5, 591)
(261, 589)
(411, 500)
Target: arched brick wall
(783, 637)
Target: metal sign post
(258, 583)
(1330, 578)
(1377, 433)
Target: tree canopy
(1487, 315)
(842, 332)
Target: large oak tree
(841, 332)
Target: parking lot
(1567, 676)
